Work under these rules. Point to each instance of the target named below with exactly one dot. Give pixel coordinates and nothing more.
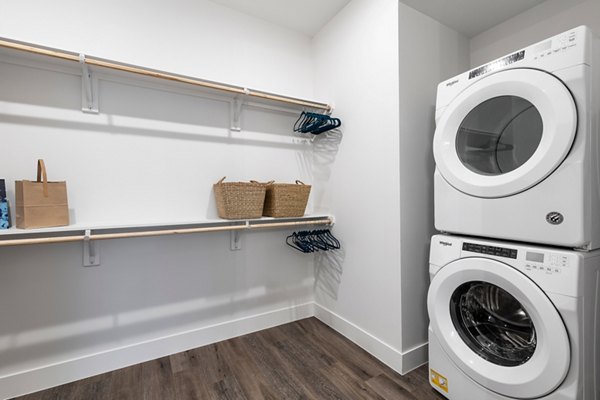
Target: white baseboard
(33, 380)
(392, 357)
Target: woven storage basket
(286, 199)
(239, 200)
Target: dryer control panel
(568, 49)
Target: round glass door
(499, 135)
(505, 133)
(493, 323)
(498, 327)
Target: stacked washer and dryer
(514, 300)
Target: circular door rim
(550, 362)
(557, 109)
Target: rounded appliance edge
(540, 177)
(551, 314)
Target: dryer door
(499, 327)
(505, 133)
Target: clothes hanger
(311, 241)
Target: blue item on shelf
(4, 221)
(4, 216)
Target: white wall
(381, 61)
(356, 58)
(151, 155)
(196, 38)
(545, 20)
(429, 53)
(151, 297)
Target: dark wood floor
(301, 360)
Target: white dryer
(516, 146)
(509, 321)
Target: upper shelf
(86, 60)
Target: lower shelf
(16, 237)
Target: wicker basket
(239, 200)
(286, 199)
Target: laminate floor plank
(158, 380)
(306, 365)
(180, 361)
(344, 351)
(253, 383)
(350, 385)
(126, 384)
(303, 360)
(285, 384)
(388, 389)
(317, 357)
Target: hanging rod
(120, 233)
(30, 48)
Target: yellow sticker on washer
(439, 380)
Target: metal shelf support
(89, 88)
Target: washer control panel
(528, 260)
(548, 263)
(490, 250)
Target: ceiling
(306, 16)
(469, 17)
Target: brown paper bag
(41, 204)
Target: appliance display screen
(535, 257)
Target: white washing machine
(516, 146)
(510, 321)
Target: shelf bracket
(89, 88)
(236, 112)
(235, 238)
(91, 253)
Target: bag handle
(42, 176)
(299, 182)
(221, 180)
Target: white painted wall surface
(429, 53)
(545, 20)
(151, 155)
(356, 58)
(196, 38)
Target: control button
(556, 270)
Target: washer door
(499, 328)
(505, 133)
